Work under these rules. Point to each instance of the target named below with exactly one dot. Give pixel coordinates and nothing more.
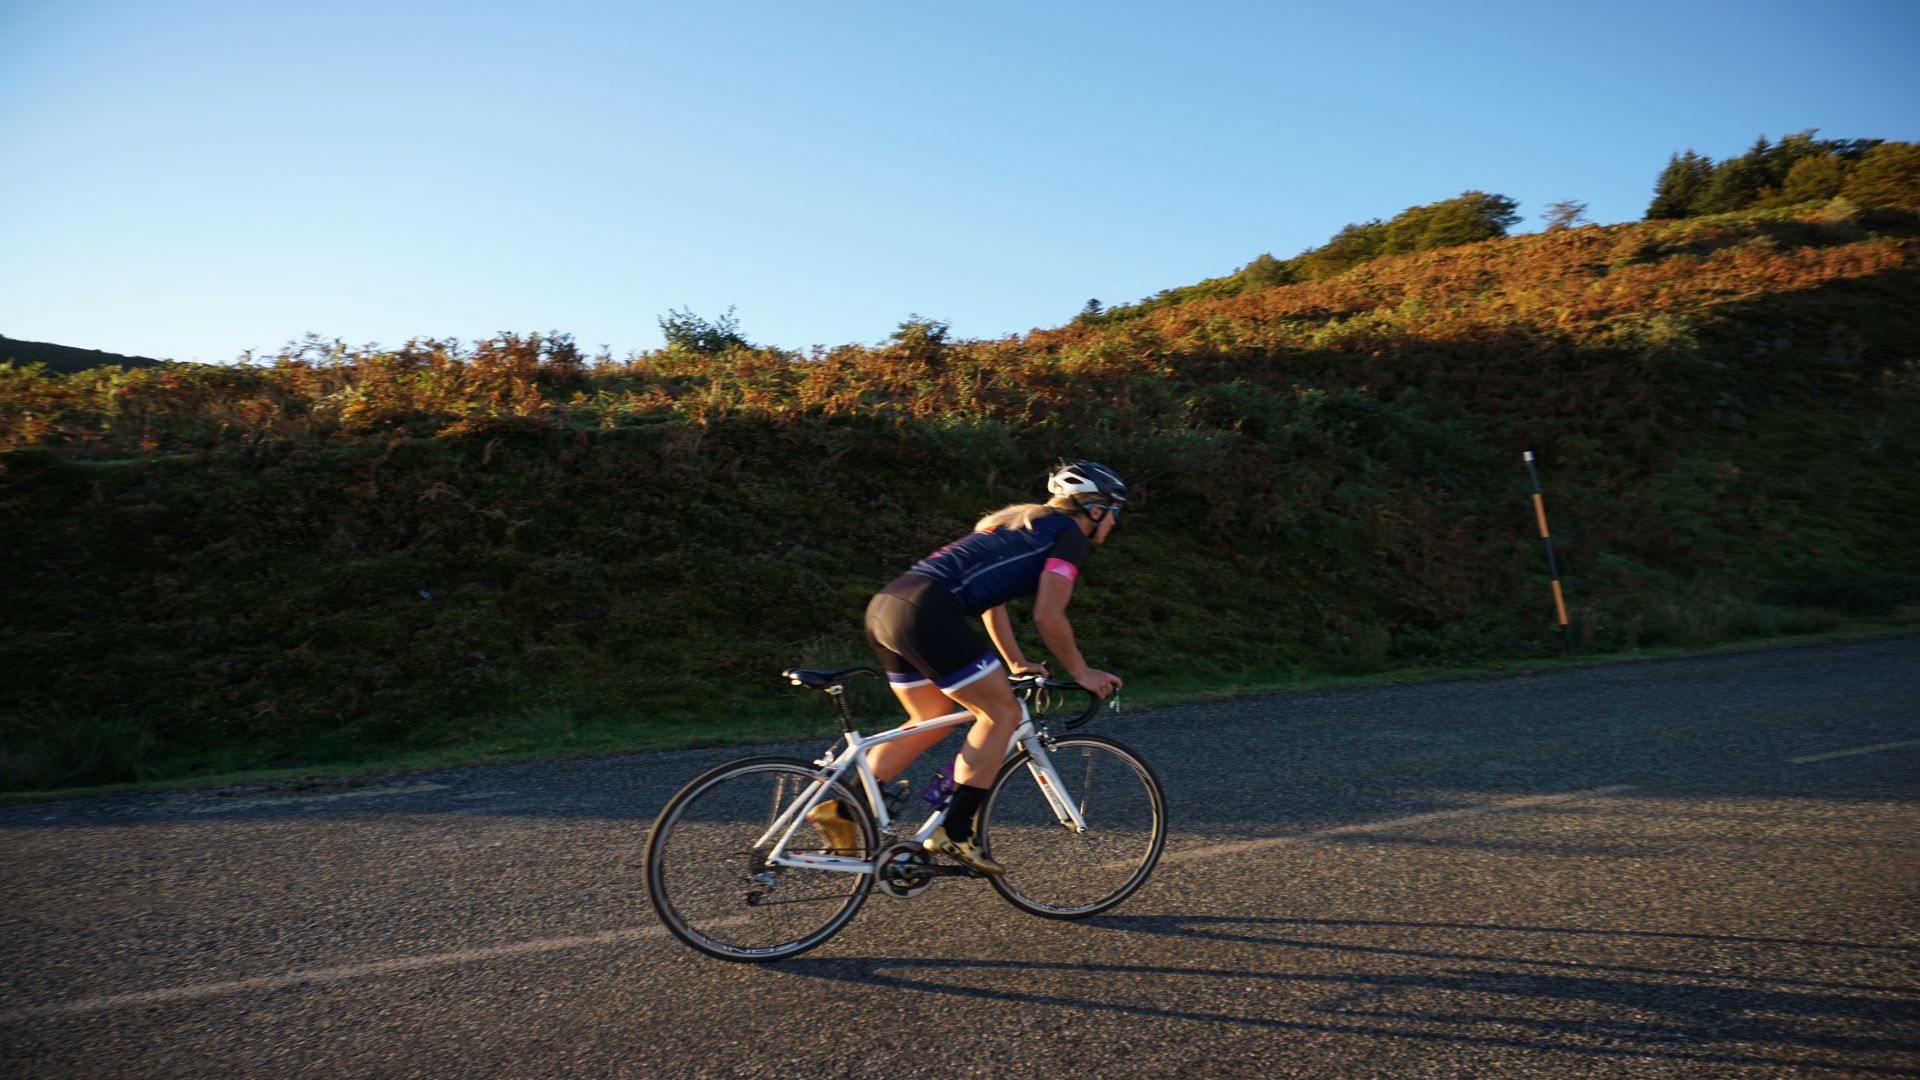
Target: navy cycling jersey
(986, 569)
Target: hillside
(64, 359)
(342, 555)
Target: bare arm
(1000, 629)
(1050, 617)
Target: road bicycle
(735, 870)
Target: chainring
(903, 870)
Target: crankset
(904, 870)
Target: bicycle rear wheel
(717, 894)
(1053, 871)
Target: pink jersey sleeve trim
(1062, 567)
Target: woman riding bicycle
(920, 627)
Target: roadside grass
(552, 732)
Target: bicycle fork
(1040, 765)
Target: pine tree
(1737, 183)
(1680, 186)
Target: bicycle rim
(716, 893)
(1055, 872)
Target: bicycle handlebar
(1035, 687)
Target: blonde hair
(1023, 515)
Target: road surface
(1705, 866)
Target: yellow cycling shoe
(842, 833)
(966, 851)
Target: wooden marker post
(1540, 512)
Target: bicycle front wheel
(1053, 870)
(714, 890)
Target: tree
(1680, 186)
(1467, 218)
(1351, 246)
(686, 330)
(1854, 149)
(1564, 214)
(1799, 168)
(1888, 176)
(921, 334)
(1810, 179)
(1264, 272)
(1470, 217)
(1737, 183)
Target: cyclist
(920, 627)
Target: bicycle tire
(717, 895)
(1055, 872)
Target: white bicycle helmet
(1087, 482)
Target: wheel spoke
(718, 895)
(1062, 873)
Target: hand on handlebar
(1098, 683)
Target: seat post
(839, 693)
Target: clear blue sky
(193, 179)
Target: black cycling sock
(960, 811)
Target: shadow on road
(1219, 929)
(1521, 993)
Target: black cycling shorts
(922, 635)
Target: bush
(1844, 597)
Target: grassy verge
(555, 736)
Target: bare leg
(996, 716)
(922, 703)
(887, 760)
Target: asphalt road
(1700, 867)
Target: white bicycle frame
(854, 757)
